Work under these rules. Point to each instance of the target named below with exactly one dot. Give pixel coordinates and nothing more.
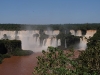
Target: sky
(49, 11)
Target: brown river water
(19, 65)
(22, 65)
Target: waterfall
(72, 32)
(65, 44)
(59, 42)
(83, 41)
(82, 45)
(78, 33)
(54, 42)
(30, 43)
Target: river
(19, 65)
(22, 65)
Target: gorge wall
(31, 42)
(83, 41)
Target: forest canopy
(85, 26)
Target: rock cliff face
(89, 33)
(83, 41)
(30, 42)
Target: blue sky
(49, 11)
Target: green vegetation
(2, 56)
(59, 62)
(7, 46)
(89, 60)
(63, 28)
(55, 62)
(93, 40)
(62, 37)
(12, 47)
(36, 35)
(42, 36)
(71, 40)
(86, 26)
(7, 55)
(16, 52)
(20, 52)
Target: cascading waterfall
(59, 42)
(54, 42)
(78, 33)
(82, 44)
(30, 42)
(72, 32)
(83, 41)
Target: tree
(42, 36)
(72, 40)
(62, 37)
(5, 36)
(55, 62)
(89, 60)
(36, 35)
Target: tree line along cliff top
(86, 26)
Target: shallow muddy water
(19, 65)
